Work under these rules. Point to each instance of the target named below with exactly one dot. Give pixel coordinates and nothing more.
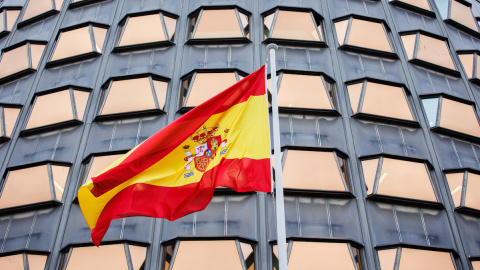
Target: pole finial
(272, 46)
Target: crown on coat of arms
(202, 135)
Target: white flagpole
(280, 207)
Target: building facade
(378, 116)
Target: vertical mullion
(377, 175)
(51, 180)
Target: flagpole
(279, 202)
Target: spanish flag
(223, 142)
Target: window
(379, 99)
(458, 14)
(118, 256)
(144, 31)
(398, 178)
(36, 184)
(464, 187)
(417, 5)
(84, 42)
(98, 164)
(23, 261)
(69, 106)
(445, 114)
(8, 118)
(37, 10)
(80, 3)
(299, 91)
(8, 17)
(212, 255)
(201, 86)
(314, 170)
(362, 34)
(470, 65)
(410, 258)
(320, 255)
(476, 265)
(429, 51)
(127, 96)
(224, 24)
(20, 60)
(293, 25)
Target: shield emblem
(201, 163)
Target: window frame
(449, 20)
(453, 253)
(380, 118)
(175, 242)
(375, 196)
(29, 70)
(363, 50)
(38, 205)
(144, 46)
(428, 13)
(39, 17)
(5, 19)
(105, 89)
(426, 64)
(74, 5)
(3, 135)
(196, 14)
(80, 57)
(310, 111)
(462, 208)
(476, 54)
(316, 18)
(25, 254)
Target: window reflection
(201, 86)
(379, 99)
(98, 164)
(79, 42)
(134, 95)
(8, 118)
(23, 261)
(295, 25)
(426, 49)
(452, 115)
(221, 23)
(363, 34)
(8, 17)
(398, 178)
(20, 59)
(211, 255)
(69, 105)
(34, 185)
(410, 258)
(106, 257)
(313, 170)
(147, 30)
(464, 187)
(37, 9)
(320, 255)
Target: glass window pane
(467, 63)
(455, 183)
(304, 27)
(463, 15)
(409, 44)
(368, 34)
(267, 25)
(14, 61)
(303, 91)
(459, 117)
(170, 24)
(369, 172)
(341, 28)
(26, 186)
(129, 96)
(473, 187)
(81, 98)
(430, 106)
(416, 259)
(37, 7)
(12, 262)
(355, 92)
(208, 255)
(476, 265)
(12, 16)
(138, 255)
(37, 52)
(207, 85)
(218, 24)
(36, 262)
(60, 174)
(142, 29)
(3, 27)
(387, 258)
(72, 43)
(99, 34)
(386, 100)
(161, 92)
(315, 255)
(99, 164)
(405, 179)
(301, 171)
(42, 113)
(10, 115)
(103, 257)
(418, 3)
(434, 51)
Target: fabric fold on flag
(224, 142)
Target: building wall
(49, 159)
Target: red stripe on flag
(166, 140)
(141, 199)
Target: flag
(224, 142)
